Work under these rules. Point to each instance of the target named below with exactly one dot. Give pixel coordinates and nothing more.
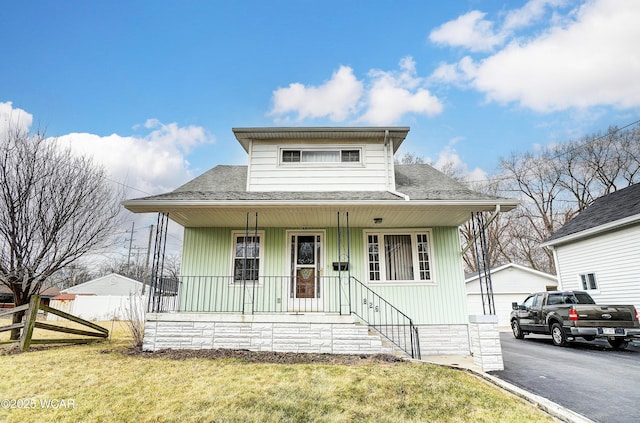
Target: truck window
(537, 300)
(554, 299)
(527, 303)
(581, 298)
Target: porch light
(377, 220)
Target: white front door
(306, 271)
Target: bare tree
(557, 183)
(55, 207)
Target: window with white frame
(352, 155)
(247, 256)
(399, 256)
(588, 281)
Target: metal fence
(269, 294)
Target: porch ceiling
(397, 215)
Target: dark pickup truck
(571, 314)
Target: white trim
(292, 304)
(588, 289)
(152, 205)
(337, 147)
(234, 235)
(413, 232)
(516, 266)
(593, 231)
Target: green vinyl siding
(444, 300)
(207, 252)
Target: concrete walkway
(465, 363)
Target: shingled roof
(608, 212)
(418, 181)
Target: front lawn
(100, 383)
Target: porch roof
(423, 197)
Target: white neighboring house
(105, 298)
(511, 283)
(599, 250)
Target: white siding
(511, 284)
(613, 257)
(112, 284)
(267, 174)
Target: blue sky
(152, 89)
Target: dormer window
(321, 156)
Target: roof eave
(596, 230)
(151, 206)
(245, 135)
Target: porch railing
(275, 294)
(384, 317)
(270, 294)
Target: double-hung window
(247, 256)
(399, 256)
(588, 281)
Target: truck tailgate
(605, 316)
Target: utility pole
(146, 263)
(133, 224)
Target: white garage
(511, 283)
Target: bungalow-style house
(321, 244)
(598, 251)
(511, 283)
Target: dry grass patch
(106, 384)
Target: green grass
(108, 386)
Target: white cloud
(13, 118)
(153, 163)
(449, 160)
(586, 58)
(336, 99)
(470, 30)
(388, 96)
(477, 34)
(460, 73)
(533, 11)
(593, 61)
(394, 94)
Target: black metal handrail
(384, 317)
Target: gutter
(387, 178)
(298, 203)
(486, 225)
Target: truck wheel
(517, 332)
(618, 344)
(558, 335)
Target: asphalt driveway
(589, 378)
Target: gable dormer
(320, 159)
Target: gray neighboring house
(599, 250)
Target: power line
(562, 153)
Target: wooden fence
(30, 322)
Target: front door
(305, 288)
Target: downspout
(386, 169)
(486, 225)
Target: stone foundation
(444, 340)
(309, 333)
(485, 342)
